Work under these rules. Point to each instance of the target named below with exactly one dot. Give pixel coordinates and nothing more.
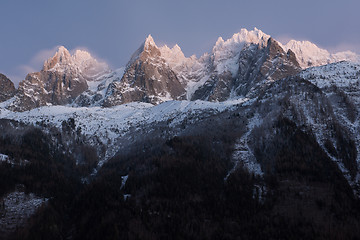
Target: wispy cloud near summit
(36, 63)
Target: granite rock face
(7, 88)
(147, 78)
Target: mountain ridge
(81, 80)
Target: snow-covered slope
(190, 71)
(107, 125)
(344, 75)
(341, 84)
(98, 89)
(18, 208)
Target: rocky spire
(61, 57)
(149, 42)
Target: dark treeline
(177, 190)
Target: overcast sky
(112, 30)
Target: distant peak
(62, 51)
(62, 56)
(165, 47)
(219, 41)
(81, 61)
(150, 38)
(149, 41)
(81, 55)
(61, 48)
(81, 52)
(254, 36)
(172, 55)
(224, 48)
(176, 48)
(148, 47)
(301, 43)
(258, 31)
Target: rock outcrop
(7, 88)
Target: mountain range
(253, 129)
(235, 68)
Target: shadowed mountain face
(256, 66)
(7, 88)
(147, 78)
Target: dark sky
(113, 29)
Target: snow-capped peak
(255, 36)
(81, 56)
(298, 45)
(184, 67)
(225, 53)
(80, 62)
(177, 48)
(238, 40)
(309, 54)
(89, 66)
(62, 51)
(347, 56)
(219, 42)
(61, 57)
(172, 56)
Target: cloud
(72, 51)
(34, 65)
(284, 38)
(94, 55)
(38, 60)
(345, 46)
(340, 47)
(26, 69)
